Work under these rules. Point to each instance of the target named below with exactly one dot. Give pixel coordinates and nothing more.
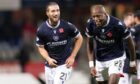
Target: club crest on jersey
(55, 38)
(103, 36)
(61, 30)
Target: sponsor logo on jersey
(58, 43)
(103, 36)
(103, 41)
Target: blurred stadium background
(20, 63)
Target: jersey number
(118, 63)
(63, 76)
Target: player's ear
(106, 14)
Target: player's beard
(100, 23)
(54, 20)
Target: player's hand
(69, 62)
(93, 71)
(52, 63)
(132, 70)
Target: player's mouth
(98, 23)
(56, 17)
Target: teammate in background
(137, 40)
(108, 34)
(127, 70)
(54, 40)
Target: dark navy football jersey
(137, 39)
(58, 40)
(109, 38)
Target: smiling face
(53, 13)
(99, 15)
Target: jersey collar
(53, 26)
(108, 19)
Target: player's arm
(89, 33)
(131, 46)
(45, 55)
(43, 52)
(126, 34)
(78, 39)
(91, 56)
(90, 49)
(77, 45)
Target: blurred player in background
(127, 70)
(109, 34)
(137, 40)
(55, 38)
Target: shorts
(138, 69)
(125, 79)
(57, 75)
(113, 66)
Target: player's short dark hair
(137, 14)
(128, 14)
(49, 4)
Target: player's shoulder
(67, 23)
(41, 26)
(90, 24)
(90, 21)
(116, 21)
(137, 27)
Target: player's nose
(96, 19)
(56, 13)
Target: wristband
(91, 64)
(132, 63)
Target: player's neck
(52, 23)
(106, 22)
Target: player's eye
(57, 10)
(53, 11)
(95, 16)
